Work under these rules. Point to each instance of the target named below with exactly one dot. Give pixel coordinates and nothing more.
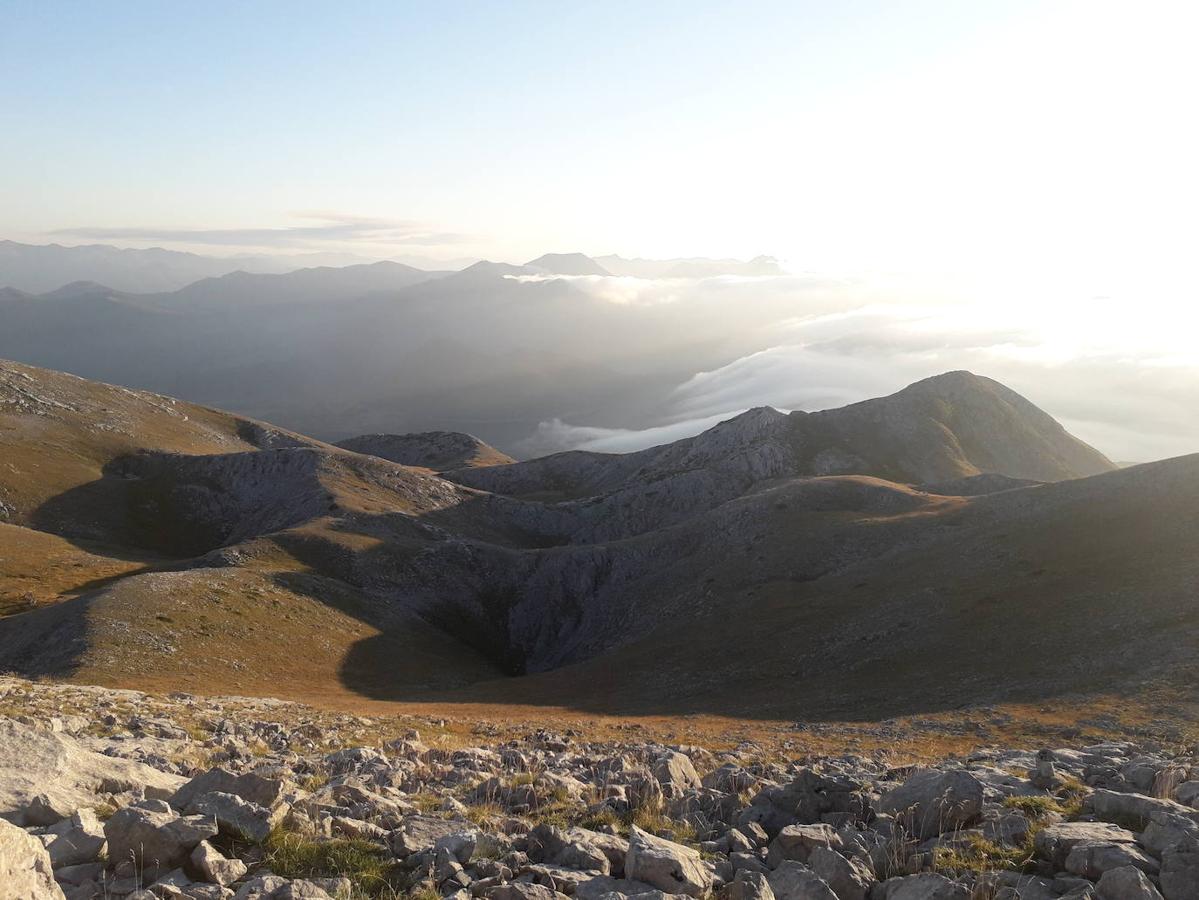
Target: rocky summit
(118, 794)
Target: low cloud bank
(1132, 404)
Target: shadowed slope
(1061, 590)
(437, 451)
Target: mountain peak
(78, 289)
(568, 264)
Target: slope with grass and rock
(948, 545)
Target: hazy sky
(1033, 142)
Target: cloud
(556, 435)
(325, 227)
(1133, 403)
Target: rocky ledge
(112, 794)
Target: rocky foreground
(114, 794)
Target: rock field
(116, 794)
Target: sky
(1018, 174)
(986, 141)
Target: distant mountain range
(493, 349)
(948, 544)
(40, 268)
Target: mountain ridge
(141, 506)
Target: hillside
(437, 451)
(194, 555)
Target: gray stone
(797, 842)
(1112, 805)
(794, 881)
(236, 816)
(1166, 830)
(925, 886)
(1126, 883)
(668, 866)
(420, 833)
(1054, 842)
(214, 867)
(523, 891)
(62, 774)
(676, 773)
(932, 802)
(80, 842)
(1180, 872)
(25, 872)
(249, 786)
(156, 841)
(850, 878)
(594, 888)
(1090, 859)
(750, 886)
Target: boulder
(1090, 859)
(1126, 883)
(849, 877)
(420, 833)
(1116, 806)
(932, 802)
(668, 866)
(1054, 842)
(1166, 830)
(25, 872)
(925, 886)
(676, 773)
(237, 817)
(1187, 793)
(797, 842)
(79, 840)
(35, 763)
(154, 836)
(1180, 872)
(594, 888)
(214, 867)
(750, 886)
(794, 881)
(249, 786)
(518, 890)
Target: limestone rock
(794, 881)
(25, 872)
(668, 866)
(932, 802)
(1126, 883)
(40, 763)
(155, 837)
(214, 866)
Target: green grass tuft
(369, 866)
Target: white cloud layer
(1133, 400)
